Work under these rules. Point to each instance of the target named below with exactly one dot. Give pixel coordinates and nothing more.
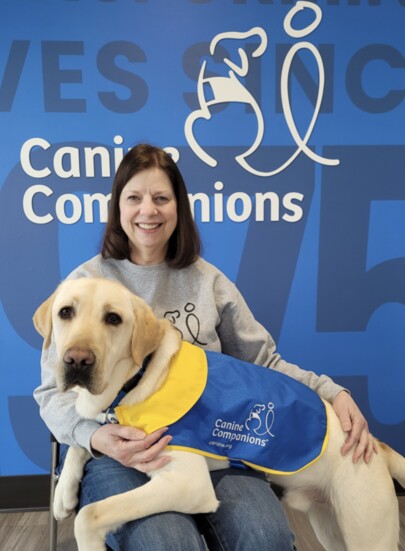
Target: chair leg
(53, 525)
(53, 534)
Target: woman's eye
(161, 199)
(113, 319)
(66, 313)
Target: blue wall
(252, 98)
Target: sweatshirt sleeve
(244, 337)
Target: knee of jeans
(163, 532)
(278, 537)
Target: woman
(152, 246)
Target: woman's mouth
(147, 227)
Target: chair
(53, 525)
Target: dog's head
(101, 330)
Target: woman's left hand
(355, 425)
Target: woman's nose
(148, 207)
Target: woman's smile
(144, 226)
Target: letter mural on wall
(285, 121)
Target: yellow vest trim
(180, 391)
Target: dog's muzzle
(78, 368)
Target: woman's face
(148, 215)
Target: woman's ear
(43, 320)
(147, 333)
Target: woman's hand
(356, 427)
(132, 447)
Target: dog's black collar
(128, 386)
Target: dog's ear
(148, 331)
(43, 320)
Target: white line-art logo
(261, 419)
(225, 89)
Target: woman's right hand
(132, 447)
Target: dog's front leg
(184, 485)
(67, 489)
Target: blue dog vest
(224, 408)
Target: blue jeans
(250, 517)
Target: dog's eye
(66, 312)
(113, 319)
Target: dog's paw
(65, 502)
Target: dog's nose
(78, 368)
(79, 358)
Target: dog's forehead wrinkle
(89, 295)
(96, 289)
(64, 300)
(113, 306)
(115, 300)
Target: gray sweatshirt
(203, 304)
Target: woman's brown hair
(184, 244)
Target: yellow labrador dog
(102, 334)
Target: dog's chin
(71, 381)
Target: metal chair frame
(53, 525)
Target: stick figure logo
(192, 323)
(229, 89)
(261, 419)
